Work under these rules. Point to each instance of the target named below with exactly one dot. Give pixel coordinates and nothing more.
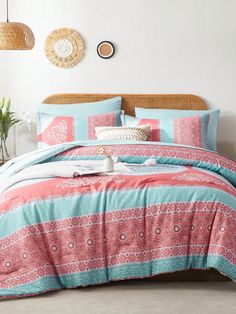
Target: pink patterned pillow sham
(107, 119)
(53, 130)
(189, 131)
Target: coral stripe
(116, 238)
(143, 151)
(60, 187)
(155, 128)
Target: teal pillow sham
(72, 122)
(188, 131)
(168, 114)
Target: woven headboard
(130, 101)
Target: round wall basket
(64, 47)
(105, 49)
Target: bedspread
(64, 232)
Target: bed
(176, 218)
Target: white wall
(163, 46)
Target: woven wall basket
(64, 47)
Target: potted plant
(8, 118)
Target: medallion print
(60, 130)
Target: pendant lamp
(15, 36)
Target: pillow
(161, 114)
(123, 133)
(54, 130)
(62, 123)
(190, 131)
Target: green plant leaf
(8, 104)
(2, 102)
(7, 119)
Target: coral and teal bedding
(164, 115)
(58, 124)
(190, 131)
(61, 232)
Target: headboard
(130, 101)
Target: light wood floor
(135, 297)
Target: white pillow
(127, 133)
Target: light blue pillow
(171, 114)
(188, 131)
(77, 116)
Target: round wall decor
(64, 47)
(105, 49)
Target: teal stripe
(100, 202)
(125, 271)
(166, 131)
(118, 118)
(81, 128)
(42, 285)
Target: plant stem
(3, 160)
(5, 146)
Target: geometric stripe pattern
(64, 232)
(189, 131)
(108, 119)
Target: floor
(134, 297)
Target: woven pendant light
(15, 36)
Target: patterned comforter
(63, 232)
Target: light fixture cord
(7, 12)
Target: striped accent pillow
(111, 119)
(189, 131)
(123, 133)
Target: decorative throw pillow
(167, 114)
(190, 131)
(54, 130)
(62, 123)
(123, 133)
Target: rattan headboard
(130, 101)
